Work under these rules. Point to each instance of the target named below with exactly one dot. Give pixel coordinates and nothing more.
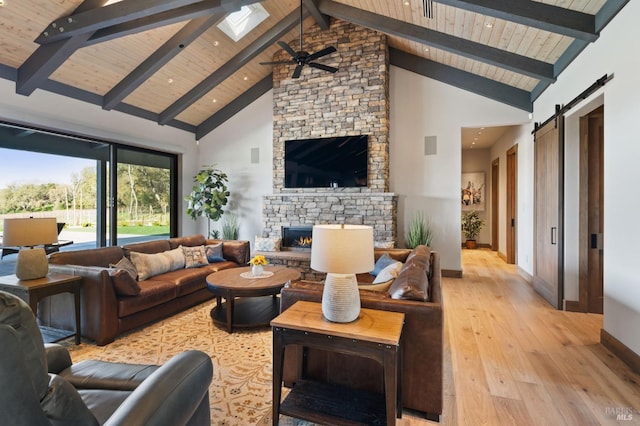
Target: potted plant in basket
(471, 226)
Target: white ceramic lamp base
(32, 264)
(340, 298)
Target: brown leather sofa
(422, 343)
(106, 313)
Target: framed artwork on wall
(472, 191)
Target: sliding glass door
(44, 173)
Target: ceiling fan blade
(321, 53)
(323, 67)
(297, 71)
(277, 62)
(288, 48)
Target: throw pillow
(381, 286)
(411, 284)
(176, 256)
(126, 264)
(267, 244)
(123, 283)
(194, 256)
(384, 244)
(150, 265)
(214, 253)
(389, 273)
(382, 262)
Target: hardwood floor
(511, 359)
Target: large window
(45, 173)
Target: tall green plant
(208, 196)
(420, 232)
(230, 227)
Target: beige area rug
(240, 391)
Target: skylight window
(240, 23)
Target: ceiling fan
(302, 58)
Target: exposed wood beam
(546, 17)
(603, 17)
(321, 19)
(480, 52)
(119, 13)
(46, 59)
(235, 106)
(147, 23)
(231, 66)
(159, 58)
(473, 83)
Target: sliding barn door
(548, 265)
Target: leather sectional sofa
(422, 338)
(107, 310)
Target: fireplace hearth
(296, 237)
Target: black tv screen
(326, 162)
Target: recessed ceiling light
(426, 49)
(169, 80)
(245, 78)
(1, 2)
(488, 25)
(406, 3)
(214, 101)
(215, 43)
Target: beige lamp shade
(32, 262)
(30, 232)
(342, 251)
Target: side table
(375, 334)
(32, 291)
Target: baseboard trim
(451, 273)
(524, 274)
(502, 256)
(620, 350)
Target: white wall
(479, 160)
(612, 53)
(229, 147)
(423, 107)
(51, 111)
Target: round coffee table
(251, 309)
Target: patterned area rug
(240, 392)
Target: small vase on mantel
(257, 270)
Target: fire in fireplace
(297, 237)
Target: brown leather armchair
(42, 387)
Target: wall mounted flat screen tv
(326, 162)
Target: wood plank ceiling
(167, 61)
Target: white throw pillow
(390, 272)
(267, 244)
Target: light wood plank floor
(511, 359)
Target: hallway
(511, 359)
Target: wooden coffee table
(251, 309)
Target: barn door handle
(596, 241)
(554, 235)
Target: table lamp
(27, 233)
(341, 251)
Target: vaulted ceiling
(167, 60)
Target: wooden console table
(32, 291)
(375, 334)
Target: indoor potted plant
(208, 196)
(471, 226)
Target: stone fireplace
(354, 101)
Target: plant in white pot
(471, 226)
(208, 196)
